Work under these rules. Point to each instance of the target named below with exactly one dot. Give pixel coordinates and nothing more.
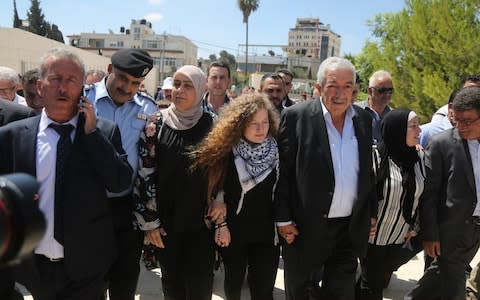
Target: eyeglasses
(383, 90)
(465, 122)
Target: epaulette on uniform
(88, 87)
(146, 96)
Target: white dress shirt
(20, 100)
(344, 151)
(47, 139)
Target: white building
(21, 50)
(169, 52)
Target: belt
(50, 259)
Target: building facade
(169, 52)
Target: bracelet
(220, 225)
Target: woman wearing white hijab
(171, 198)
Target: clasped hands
(217, 213)
(288, 232)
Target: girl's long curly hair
(213, 152)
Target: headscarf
(183, 120)
(394, 146)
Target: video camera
(22, 224)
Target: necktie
(64, 146)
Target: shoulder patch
(88, 87)
(146, 96)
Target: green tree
(36, 19)
(428, 47)
(247, 7)
(38, 24)
(17, 23)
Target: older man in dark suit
(450, 210)
(10, 111)
(325, 198)
(75, 158)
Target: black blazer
(449, 198)
(305, 189)
(10, 111)
(97, 162)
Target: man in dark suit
(10, 111)
(72, 259)
(449, 208)
(325, 200)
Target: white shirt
(474, 148)
(20, 100)
(47, 139)
(344, 151)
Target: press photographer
(22, 224)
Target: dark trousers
(48, 280)
(335, 266)
(122, 277)
(262, 263)
(187, 265)
(445, 278)
(381, 260)
(7, 285)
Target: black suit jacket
(305, 189)
(10, 111)
(97, 162)
(449, 198)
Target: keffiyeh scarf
(254, 164)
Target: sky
(213, 25)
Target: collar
(45, 121)
(350, 113)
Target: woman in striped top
(400, 178)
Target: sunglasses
(383, 90)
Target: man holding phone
(75, 157)
(117, 98)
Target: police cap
(136, 62)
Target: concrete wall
(22, 50)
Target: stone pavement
(402, 282)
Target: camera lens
(22, 224)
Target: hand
(432, 248)
(222, 236)
(154, 237)
(90, 118)
(373, 227)
(217, 211)
(288, 232)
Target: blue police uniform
(130, 117)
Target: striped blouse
(391, 226)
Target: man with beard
(273, 86)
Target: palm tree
(247, 7)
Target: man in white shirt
(325, 199)
(9, 81)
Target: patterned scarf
(254, 164)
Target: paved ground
(402, 281)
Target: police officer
(117, 98)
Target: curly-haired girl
(240, 156)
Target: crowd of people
(195, 177)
